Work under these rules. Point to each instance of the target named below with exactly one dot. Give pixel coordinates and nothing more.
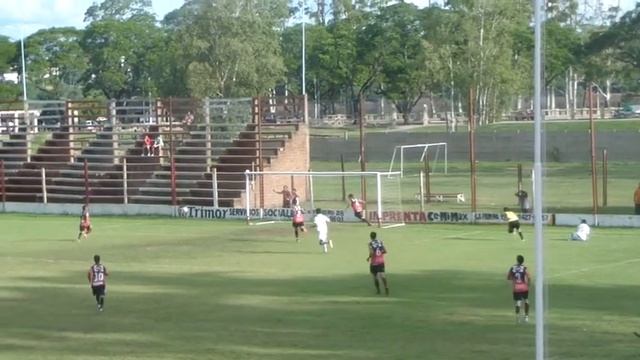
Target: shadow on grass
(430, 315)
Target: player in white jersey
(321, 222)
(582, 232)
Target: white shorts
(322, 236)
(577, 237)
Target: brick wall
(295, 157)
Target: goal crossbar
(378, 175)
(422, 156)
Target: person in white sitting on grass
(321, 221)
(582, 232)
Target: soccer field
(183, 289)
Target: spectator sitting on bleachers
(188, 119)
(157, 146)
(146, 150)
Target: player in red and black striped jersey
(358, 209)
(376, 262)
(85, 223)
(519, 277)
(97, 276)
(298, 221)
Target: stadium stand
(86, 161)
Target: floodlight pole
(304, 51)
(539, 14)
(363, 164)
(594, 174)
(25, 101)
(472, 150)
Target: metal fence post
(214, 187)
(125, 189)
(86, 182)
(43, 174)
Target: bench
(441, 197)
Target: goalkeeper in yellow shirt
(513, 222)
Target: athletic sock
(377, 284)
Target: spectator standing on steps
(523, 201)
(286, 196)
(146, 151)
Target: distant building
(12, 77)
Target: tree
(8, 54)
(621, 41)
(231, 48)
(122, 56)
(56, 63)
(484, 33)
(563, 48)
(8, 57)
(120, 10)
(409, 66)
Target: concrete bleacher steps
(58, 148)
(243, 155)
(65, 182)
(148, 178)
(14, 151)
(106, 147)
(230, 158)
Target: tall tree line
(355, 49)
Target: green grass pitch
(183, 289)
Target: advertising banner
(409, 217)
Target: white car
(90, 125)
(6, 127)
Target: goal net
(267, 198)
(410, 159)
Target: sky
(24, 17)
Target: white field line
(392, 226)
(463, 234)
(262, 223)
(603, 266)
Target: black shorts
(513, 225)
(517, 296)
(358, 214)
(297, 225)
(374, 269)
(99, 290)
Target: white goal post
(425, 150)
(325, 189)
